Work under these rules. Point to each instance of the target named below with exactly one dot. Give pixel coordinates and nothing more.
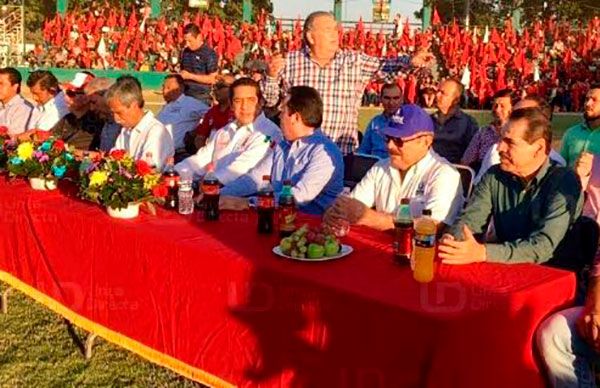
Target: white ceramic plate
(345, 251)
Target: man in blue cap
(413, 170)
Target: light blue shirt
(373, 142)
(313, 164)
(181, 116)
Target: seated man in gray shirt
(306, 157)
(531, 200)
(454, 129)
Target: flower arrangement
(117, 181)
(49, 159)
(6, 145)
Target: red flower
(142, 168)
(160, 191)
(3, 130)
(117, 154)
(42, 135)
(59, 145)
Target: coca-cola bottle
(266, 206)
(404, 232)
(171, 179)
(210, 194)
(287, 210)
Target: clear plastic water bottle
(185, 193)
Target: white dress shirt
(149, 135)
(16, 114)
(492, 158)
(181, 116)
(432, 183)
(233, 150)
(49, 114)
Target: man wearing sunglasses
(80, 126)
(413, 170)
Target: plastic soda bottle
(287, 210)
(266, 206)
(211, 191)
(171, 179)
(424, 248)
(403, 233)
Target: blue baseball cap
(409, 121)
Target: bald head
(448, 95)
(98, 85)
(95, 91)
(535, 102)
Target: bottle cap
(185, 175)
(426, 212)
(286, 191)
(287, 182)
(266, 178)
(405, 201)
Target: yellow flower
(97, 178)
(25, 150)
(151, 180)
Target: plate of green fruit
(307, 244)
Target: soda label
(172, 181)
(210, 189)
(266, 202)
(287, 217)
(425, 240)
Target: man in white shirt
(241, 144)
(15, 111)
(142, 136)
(46, 92)
(182, 113)
(412, 171)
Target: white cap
(81, 79)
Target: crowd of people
(298, 123)
(550, 58)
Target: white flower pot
(131, 211)
(43, 184)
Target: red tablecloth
(211, 301)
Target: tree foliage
(493, 12)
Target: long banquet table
(212, 302)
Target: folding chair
(467, 174)
(356, 166)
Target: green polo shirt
(530, 219)
(578, 138)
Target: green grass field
(36, 349)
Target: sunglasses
(73, 93)
(399, 142)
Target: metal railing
(12, 34)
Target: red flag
(435, 20)
(133, 23)
(411, 89)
